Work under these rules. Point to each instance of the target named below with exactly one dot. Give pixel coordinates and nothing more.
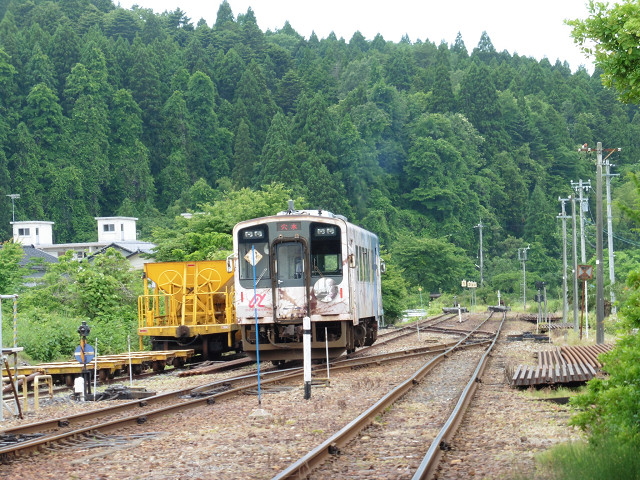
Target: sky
(528, 28)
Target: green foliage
(109, 111)
(11, 274)
(615, 31)
(103, 293)
(394, 291)
(609, 408)
(207, 235)
(432, 263)
(594, 462)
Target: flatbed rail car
(305, 263)
(189, 305)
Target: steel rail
(411, 330)
(303, 467)
(430, 461)
(277, 376)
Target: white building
(116, 229)
(117, 232)
(34, 233)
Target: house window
(80, 255)
(109, 227)
(24, 232)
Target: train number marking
(260, 299)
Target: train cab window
(290, 261)
(326, 250)
(249, 238)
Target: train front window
(290, 264)
(326, 250)
(249, 238)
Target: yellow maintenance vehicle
(189, 305)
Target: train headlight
(325, 289)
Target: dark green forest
(106, 111)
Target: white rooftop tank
(116, 229)
(33, 232)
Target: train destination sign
(289, 226)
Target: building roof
(31, 253)
(127, 248)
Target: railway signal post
(306, 345)
(84, 354)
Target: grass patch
(609, 460)
(550, 392)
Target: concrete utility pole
(581, 187)
(563, 216)
(522, 256)
(612, 276)
(479, 227)
(599, 246)
(599, 259)
(576, 298)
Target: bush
(46, 337)
(610, 459)
(610, 409)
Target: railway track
(241, 438)
(342, 456)
(137, 412)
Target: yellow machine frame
(186, 299)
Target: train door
(291, 289)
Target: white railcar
(306, 263)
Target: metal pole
(599, 252)
(95, 372)
(583, 251)
(421, 312)
(15, 322)
(575, 265)
(539, 317)
(546, 315)
(13, 197)
(522, 253)
(326, 346)
(255, 310)
(306, 345)
(479, 227)
(130, 369)
(524, 282)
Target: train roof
(318, 213)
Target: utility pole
(563, 216)
(479, 227)
(522, 256)
(583, 187)
(612, 276)
(576, 326)
(599, 246)
(599, 258)
(13, 197)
